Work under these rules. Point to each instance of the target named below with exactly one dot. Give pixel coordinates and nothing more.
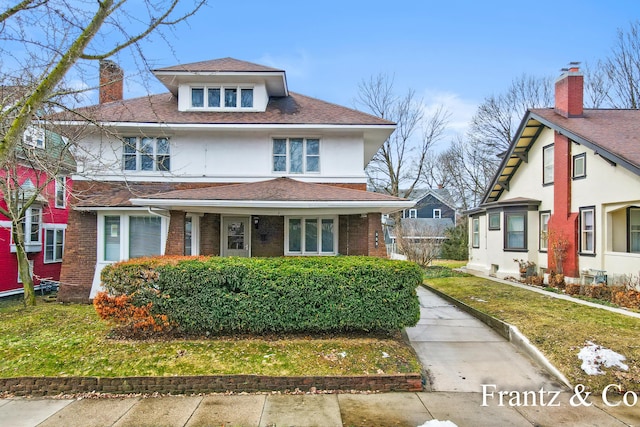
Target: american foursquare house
(570, 176)
(227, 162)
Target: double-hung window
(296, 155)
(544, 231)
(222, 97)
(515, 234)
(475, 232)
(437, 213)
(31, 225)
(61, 192)
(547, 168)
(587, 230)
(53, 244)
(413, 213)
(634, 230)
(311, 236)
(146, 154)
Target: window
(311, 236)
(515, 231)
(634, 230)
(587, 230)
(544, 231)
(547, 160)
(61, 192)
(296, 155)
(475, 240)
(34, 137)
(580, 166)
(437, 213)
(188, 230)
(494, 220)
(146, 154)
(30, 225)
(144, 236)
(112, 238)
(413, 213)
(217, 95)
(53, 245)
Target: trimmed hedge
(281, 295)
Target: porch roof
(280, 196)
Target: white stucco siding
(227, 156)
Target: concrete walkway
(461, 354)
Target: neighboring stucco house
(228, 162)
(45, 221)
(572, 175)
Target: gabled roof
(277, 194)
(441, 194)
(612, 134)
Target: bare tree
(420, 242)
(497, 118)
(397, 167)
(42, 43)
(622, 68)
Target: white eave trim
(277, 206)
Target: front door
(235, 236)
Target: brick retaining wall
(51, 386)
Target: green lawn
(559, 329)
(69, 340)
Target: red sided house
(45, 221)
(567, 194)
(228, 162)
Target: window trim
(54, 228)
(303, 219)
(287, 155)
(508, 214)
(540, 238)
(124, 233)
(545, 155)
(582, 211)
(493, 215)
(582, 156)
(438, 212)
(413, 213)
(475, 232)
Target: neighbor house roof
(612, 134)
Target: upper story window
(31, 226)
(222, 97)
(146, 154)
(296, 155)
(580, 166)
(547, 161)
(437, 213)
(413, 213)
(34, 136)
(61, 192)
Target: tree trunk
(23, 266)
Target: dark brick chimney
(111, 76)
(569, 92)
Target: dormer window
(222, 97)
(34, 137)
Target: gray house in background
(432, 214)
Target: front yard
(69, 340)
(559, 329)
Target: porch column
(175, 237)
(375, 236)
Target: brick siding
(51, 386)
(175, 236)
(268, 239)
(79, 260)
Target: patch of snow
(594, 356)
(438, 423)
(385, 355)
(478, 299)
(343, 354)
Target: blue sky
(451, 52)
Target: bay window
(515, 231)
(31, 225)
(311, 235)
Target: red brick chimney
(111, 77)
(569, 92)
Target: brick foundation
(51, 386)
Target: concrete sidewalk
(462, 355)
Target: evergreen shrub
(271, 295)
